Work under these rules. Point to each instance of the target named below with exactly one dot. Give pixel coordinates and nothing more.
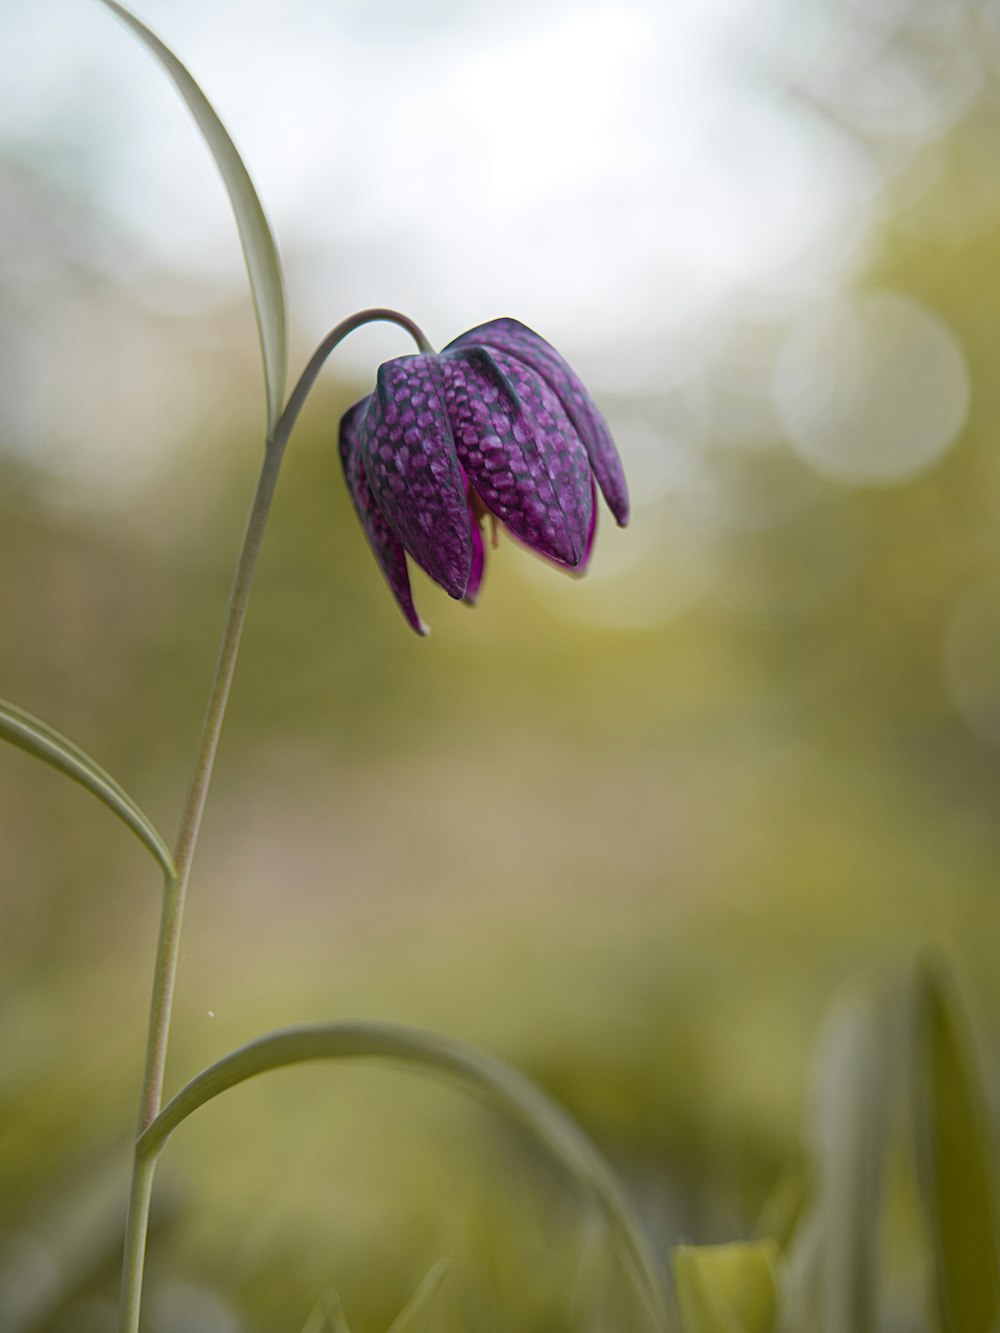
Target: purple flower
(497, 425)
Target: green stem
(136, 1227)
(175, 886)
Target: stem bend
(179, 871)
(428, 1052)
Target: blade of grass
(487, 1078)
(956, 1169)
(267, 286)
(727, 1288)
(833, 1262)
(37, 738)
(327, 1316)
(413, 1316)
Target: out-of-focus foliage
(836, 1271)
(957, 1169)
(727, 1288)
(630, 834)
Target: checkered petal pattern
(498, 426)
(387, 547)
(517, 340)
(520, 452)
(413, 470)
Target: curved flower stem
(335, 336)
(175, 886)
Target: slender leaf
(833, 1263)
(39, 739)
(327, 1316)
(727, 1288)
(336, 1318)
(485, 1077)
(267, 286)
(955, 1164)
(413, 1316)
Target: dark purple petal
(386, 545)
(516, 339)
(413, 470)
(559, 442)
(520, 451)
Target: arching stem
(175, 887)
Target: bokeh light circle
(871, 391)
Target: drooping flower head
(496, 426)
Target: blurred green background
(630, 833)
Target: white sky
(605, 171)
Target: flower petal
(385, 544)
(555, 434)
(413, 470)
(520, 451)
(516, 339)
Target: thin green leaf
(727, 1288)
(39, 739)
(327, 1316)
(413, 1316)
(336, 1319)
(316, 1320)
(487, 1078)
(834, 1260)
(955, 1165)
(267, 286)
